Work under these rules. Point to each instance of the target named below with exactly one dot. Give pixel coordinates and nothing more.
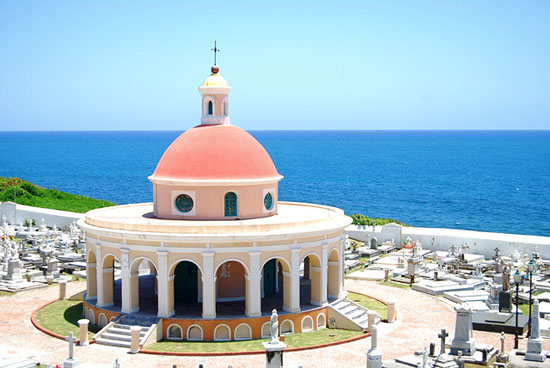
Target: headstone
(373, 243)
(535, 344)
(504, 302)
(463, 340)
(14, 270)
(443, 335)
(70, 362)
(274, 348)
(432, 349)
(374, 356)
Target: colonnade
(325, 272)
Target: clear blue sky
(101, 65)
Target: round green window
(268, 201)
(184, 203)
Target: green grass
(394, 284)
(61, 317)
(369, 303)
(33, 195)
(359, 219)
(292, 341)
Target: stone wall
(18, 213)
(441, 239)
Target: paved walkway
(420, 317)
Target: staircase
(117, 333)
(355, 314)
(17, 363)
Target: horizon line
(282, 130)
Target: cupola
(215, 103)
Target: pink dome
(209, 152)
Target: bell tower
(215, 92)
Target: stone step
(348, 309)
(356, 313)
(124, 331)
(109, 342)
(118, 337)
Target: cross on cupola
(215, 91)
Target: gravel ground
(420, 318)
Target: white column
(125, 287)
(295, 280)
(324, 272)
(254, 286)
(208, 286)
(90, 295)
(342, 269)
(162, 278)
(99, 275)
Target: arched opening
(276, 285)
(194, 333)
(334, 275)
(310, 281)
(286, 327)
(102, 320)
(230, 289)
(187, 288)
(143, 286)
(91, 276)
(111, 282)
(222, 333)
(230, 204)
(175, 332)
(210, 108)
(225, 108)
(307, 324)
(321, 321)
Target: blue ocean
(479, 180)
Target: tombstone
(374, 356)
(535, 344)
(14, 270)
(463, 340)
(373, 243)
(443, 335)
(70, 362)
(505, 302)
(274, 348)
(432, 349)
(53, 265)
(497, 253)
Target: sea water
(480, 180)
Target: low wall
(18, 213)
(441, 239)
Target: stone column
(374, 356)
(371, 321)
(134, 291)
(83, 323)
(342, 268)
(125, 285)
(208, 286)
(295, 281)
(99, 276)
(324, 276)
(134, 347)
(162, 278)
(62, 289)
(463, 340)
(108, 288)
(391, 311)
(91, 281)
(253, 287)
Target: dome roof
(216, 152)
(215, 80)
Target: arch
(334, 254)
(91, 256)
(194, 333)
(279, 258)
(208, 106)
(275, 286)
(91, 316)
(102, 320)
(134, 265)
(266, 330)
(186, 287)
(230, 204)
(174, 332)
(111, 289)
(311, 281)
(307, 324)
(111, 261)
(172, 267)
(232, 260)
(222, 332)
(321, 321)
(287, 327)
(316, 257)
(243, 332)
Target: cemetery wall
(18, 213)
(441, 239)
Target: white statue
(274, 327)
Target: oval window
(184, 203)
(268, 201)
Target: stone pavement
(420, 317)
